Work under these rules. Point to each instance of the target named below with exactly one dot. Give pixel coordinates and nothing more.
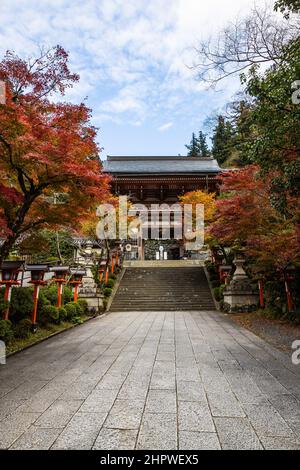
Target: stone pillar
(240, 295)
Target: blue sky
(133, 57)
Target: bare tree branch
(260, 38)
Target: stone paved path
(187, 380)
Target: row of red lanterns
(9, 278)
(107, 268)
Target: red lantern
(289, 276)
(76, 280)
(60, 277)
(37, 279)
(225, 271)
(101, 270)
(9, 278)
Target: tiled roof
(160, 165)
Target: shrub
(3, 306)
(23, 328)
(275, 298)
(79, 309)
(43, 300)
(221, 288)
(211, 268)
(50, 314)
(107, 291)
(77, 320)
(21, 303)
(67, 294)
(6, 331)
(84, 305)
(50, 293)
(110, 283)
(113, 276)
(217, 294)
(71, 310)
(62, 313)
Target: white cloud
(131, 55)
(166, 127)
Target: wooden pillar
(76, 292)
(289, 297)
(36, 292)
(7, 294)
(59, 293)
(112, 264)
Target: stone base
(240, 302)
(95, 304)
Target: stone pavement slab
(151, 380)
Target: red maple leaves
(46, 147)
(245, 217)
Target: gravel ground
(278, 333)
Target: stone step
(152, 307)
(163, 288)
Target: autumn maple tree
(50, 171)
(245, 218)
(200, 197)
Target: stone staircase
(169, 289)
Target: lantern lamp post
(76, 280)
(101, 270)
(225, 271)
(60, 277)
(106, 276)
(112, 264)
(9, 278)
(260, 275)
(289, 276)
(37, 272)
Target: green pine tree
(222, 140)
(203, 150)
(193, 150)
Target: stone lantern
(239, 294)
(9, 278)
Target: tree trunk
(6, 247)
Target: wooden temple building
(152, 180)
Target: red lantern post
(9, 278)
(112, 264)
(289, 276)
(225, 271)
(60, 277)
(37, 279)
(106, 276)
(76, 280)
(101, 270)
